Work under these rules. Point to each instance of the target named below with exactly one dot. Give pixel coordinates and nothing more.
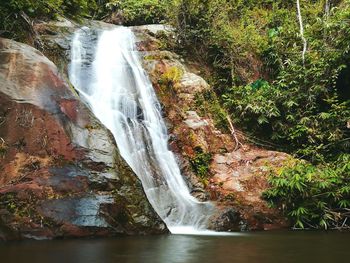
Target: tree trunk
(327, 8)
(302, 31)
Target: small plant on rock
(201, 163)
(171, 76)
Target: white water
(107, 72)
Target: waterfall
(106, 70)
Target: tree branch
(233, 132)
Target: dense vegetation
(255, 48)
(14, 13)
(313, 197)
(282, 95)
(136, 12)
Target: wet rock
(80, 212)
(61, 174)
(228, 220)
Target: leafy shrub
(171, 76)
(47, 9)
(208, 104)
(306, 123)
(136, 12)
(13, 26)
(313, 197)
(200, 163)
(258, 101)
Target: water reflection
(260, 247)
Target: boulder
(61, 174)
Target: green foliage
(254, 48)
(133, 12)
(312, 197)
(171, 76)
(207, 104)
(200, 163)
(13, 25)
(299, 121)
(254, 102)
(47, 9)
(136, 12)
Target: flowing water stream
(106, 70)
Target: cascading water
(106, 70)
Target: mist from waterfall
(106, 70)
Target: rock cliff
(60, 171)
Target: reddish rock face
(60, 172)
(235, 176)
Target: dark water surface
(264, 247)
